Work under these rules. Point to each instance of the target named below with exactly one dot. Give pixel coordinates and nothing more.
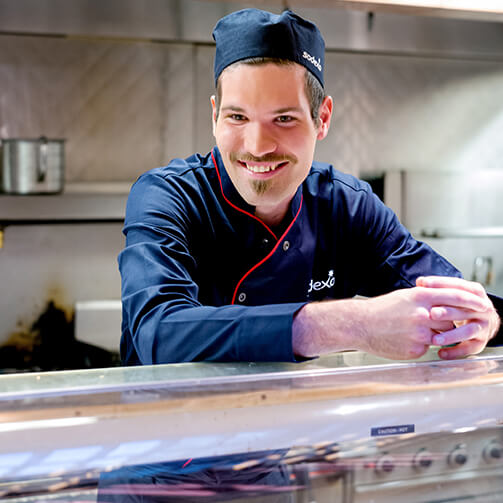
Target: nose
(259, 140)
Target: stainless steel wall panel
(104, 97)
(453, 200)
(456, 201)
(132, 105)
(393, 112)
(205, 88)
(117, 114)
(178, 103)
(350, 144)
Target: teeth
(261, 169)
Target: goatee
(260, 186)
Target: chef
(255, 252)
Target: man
(255, 252)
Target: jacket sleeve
(162, 317)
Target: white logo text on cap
(311, 59)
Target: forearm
(330, 326)
(401, 324)
(397, 325)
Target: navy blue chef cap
(252, 33)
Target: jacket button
(242, 297)
(286, 245)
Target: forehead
(263, 84)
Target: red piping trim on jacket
(237, 207)
(270, 254)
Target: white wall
(64, 263)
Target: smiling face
(265, 133)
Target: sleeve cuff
(266, 335)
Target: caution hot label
(399, 429)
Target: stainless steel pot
(32, 166)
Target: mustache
(270, 158)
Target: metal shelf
(475, 232)
(70, 207)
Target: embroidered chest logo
(320, 285)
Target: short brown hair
(314, 91)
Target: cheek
(227, 138)
(302, 139)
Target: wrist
(330, 326)
(304, 333)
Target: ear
(213, 113)
(325, 115)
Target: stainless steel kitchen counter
(118, 378)
(92, 421)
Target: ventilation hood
(483, 10)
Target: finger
(416, 351)
(441, 326)
(451, 282)
(422, 335)
(472, 330)
(442, 313)
(454, 297)
(445, 313)
(470, 347)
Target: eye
(283, 119)
(237, 117)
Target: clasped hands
(462, 315)
(453, 313)
(441, 311)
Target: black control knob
(385, 464)
(493, 451)
(423, 459)
(458, 457)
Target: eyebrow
(279, 111)
(287, 109)
(232, 109)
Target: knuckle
(420, 315)
(420, 294)
(416, 351)
(458, 297)
(473, 326)
(478, 288)
(423, 333)
(478, 327)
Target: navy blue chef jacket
(204, 279)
